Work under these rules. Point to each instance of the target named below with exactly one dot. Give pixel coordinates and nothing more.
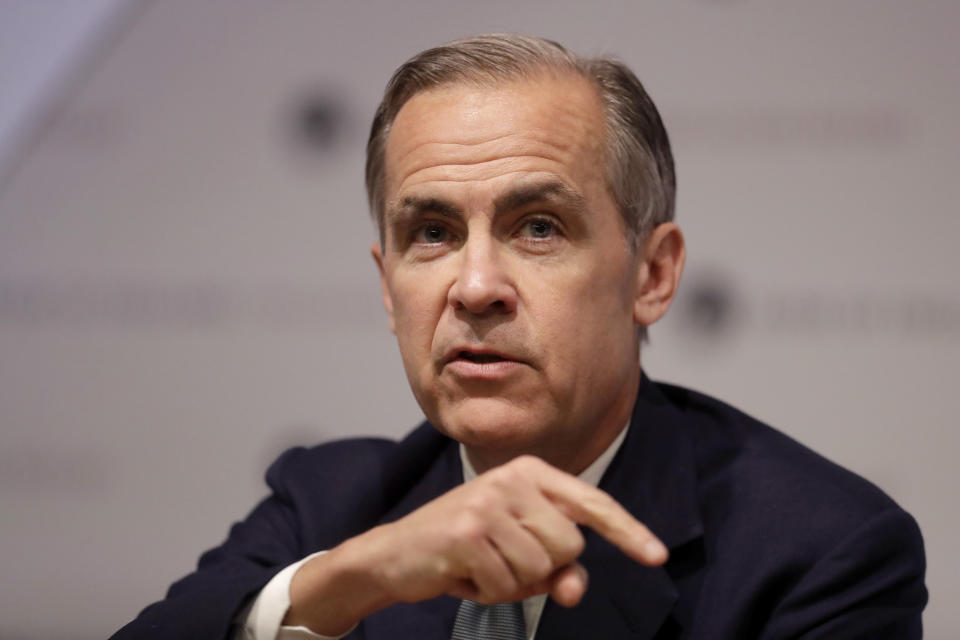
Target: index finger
(596, 509)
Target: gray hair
(640, 173)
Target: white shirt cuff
(262, 620)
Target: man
(524, 198)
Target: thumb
(569, 584)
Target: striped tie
(502, 621)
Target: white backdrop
(185, 285)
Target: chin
(490, 424)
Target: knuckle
(533, 567)
(443, 568)
(542, 567)
(527, 462)
(505, 476)
(480, 502)
(508, 586)
(496, 586)
(468, 527)
(578, 545)
(570, 547)
(599, 502)
(508, 478)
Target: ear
(377, 254)
(660, 265)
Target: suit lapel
(653, 477)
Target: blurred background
(186, 288)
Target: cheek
(587, 321)
(417, 309)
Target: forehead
(469, 133)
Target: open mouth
(480, 358)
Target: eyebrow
(552, 191)
(412, 207)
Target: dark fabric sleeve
(871, 585)
(205, 603)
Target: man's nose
(483, 284)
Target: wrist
(331, 593)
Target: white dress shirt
(262, 619)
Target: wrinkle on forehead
(485, 171)
(463, 132)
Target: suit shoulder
(339, 488)
(749, 468)
(353, 462)
(319, 462)
(804, 542)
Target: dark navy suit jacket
(767, 539)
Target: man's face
(506, 271)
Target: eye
(539, 228)
(431, 234)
